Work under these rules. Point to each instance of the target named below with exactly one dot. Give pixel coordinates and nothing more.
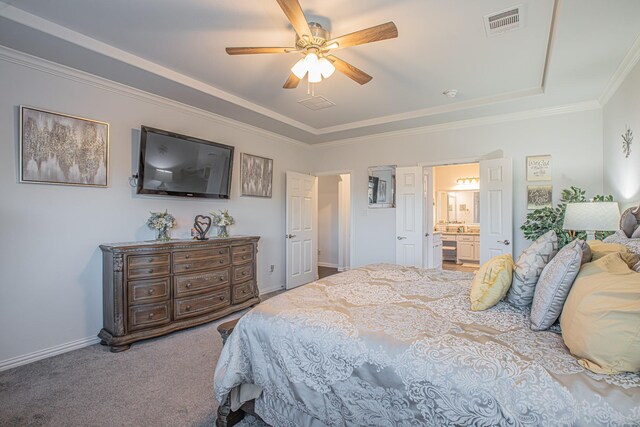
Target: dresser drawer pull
(220, 252)
(188, 308)
(244, 257)
(244, 291)
(244, 273)
(221, 261)
(188, 266)
(150, 260)
(187, 256)
(150, 315)
(222, 278)
(151, 291)
(189, 285)
(222, 298)
(150, 270)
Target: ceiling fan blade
(373, 34)
(292, 82)
(293, 11)
(254, 50)
(349, 70)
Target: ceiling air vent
(316, 103)
(503, 21)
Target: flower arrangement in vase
(161, 222)
(222, 219)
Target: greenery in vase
(222, 217)
(542, 220)
(161, 221)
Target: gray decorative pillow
(528, 268)
(636, 234)
(586, 251)
(554, 285)
(628, 223)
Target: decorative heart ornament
(202, 225)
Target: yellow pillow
(601, 318)
(491, 282)
(600, 249)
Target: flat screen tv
(177, 165)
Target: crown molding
(58, 70)
(461, 124)
(626, 66)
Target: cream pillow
(600, 249)
(491, 282)
(601, 318)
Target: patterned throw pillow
(554, 285)
(491, 282)
(528, 268)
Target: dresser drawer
(189, 284)
(144, 316)
(149, 271)
(187, 256)
(196, 305)
(243, 292)
(449, 237)
(146, 291)
(203, 264)
(137, 261)
(241, 258)
(243, 249)
(242, 273)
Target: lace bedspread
(386, 345)
(620, 237)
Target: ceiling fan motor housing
(319, 36)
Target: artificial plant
(542, 220)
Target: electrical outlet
(272, 268)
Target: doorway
(334, 223)
(452, 217)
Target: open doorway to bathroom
(452, 217)
(334, 223)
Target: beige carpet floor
(165, 381)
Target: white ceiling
(176, 49)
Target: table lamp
(592, 217)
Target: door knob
(504, 242)
(289, 236)
(426, 234)
(401, 237)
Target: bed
(386, 345)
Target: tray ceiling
(176, 49)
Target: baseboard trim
(327, 264)
(25, 359)
(272, 289)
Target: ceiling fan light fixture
(300, 68)
(326, 67)
(314, 75)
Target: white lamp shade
(300, 68)
(326, 67)
(592, 216)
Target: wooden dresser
(154, 288)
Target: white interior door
(302, 225)
(496, 208)
(428, 243)
(409, 219)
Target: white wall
(573, 139)
(328, 220)
(622, 175)
(51, 268)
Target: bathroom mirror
(382, 187)
(458, 207)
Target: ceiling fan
(314, 44)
